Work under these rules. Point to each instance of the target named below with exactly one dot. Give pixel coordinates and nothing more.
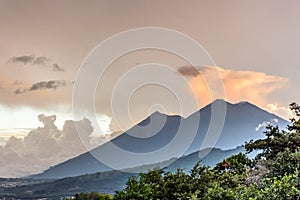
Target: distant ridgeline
(242, 123)
(103, 182)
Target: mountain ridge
(238, 128)
(105, 182)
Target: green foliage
(286, 162)
(235, 164)
(155, 185)
(136, 189)
(286, 187)
(280, 150)
(277, 141)
(92, 196)
(295, 121)
(200, 183)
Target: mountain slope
(102, 182)
(161, 137)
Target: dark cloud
(57, 68)
(43, 85)
(37, 61)
(47, 85)
(188, 71)
(23, 59)
(41, 60)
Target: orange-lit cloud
(239, 85)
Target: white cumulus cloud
(46, 146)
(266, 123)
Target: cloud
(43, 85)
(239, 85)
(57, 68)
(45, 146)
(18, 82)
(47, 85)
(41, 60)
(188, 71)
(22, 59)
(39, 95)
(284, 112)
(264, 124)
(36, 61)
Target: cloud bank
(46, 146)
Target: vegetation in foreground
(273, 174)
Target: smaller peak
(241, 103)
(157, 113)
(216, 102)
(219, 101)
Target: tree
(235, 164)
(286, 162)
(285, 187)
(92, 196)
(145, 186)
(278, 141)
(280, 149)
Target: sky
(255, 47)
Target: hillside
(102, 182)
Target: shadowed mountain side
(240, 124)
(161, 137)
(104, 182)
(208, 157)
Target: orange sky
(256, 50)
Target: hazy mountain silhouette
(161, 137)
(103, 182)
